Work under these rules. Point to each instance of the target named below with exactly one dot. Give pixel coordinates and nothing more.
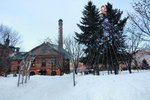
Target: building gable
(45, 49)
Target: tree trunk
(97, 70)
(76, 66)
(129, 66)
(111, 69)
(116, 69)
(107, 69)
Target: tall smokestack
(60, 33)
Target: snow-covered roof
(19, 56)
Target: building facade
(140, 55)
(6, 54)
(50, 59)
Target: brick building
(4, 59)
(6, 54)
(140, 55)
(50, 59)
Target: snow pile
(134, 86)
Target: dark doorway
(53, 73)
(32, 73)
(18, 69)
(42, 72)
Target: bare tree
(7, 32)
(75, 49)
(134, 43)
(7, 37)
(141, 18)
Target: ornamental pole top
(103, 10)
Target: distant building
(15, 61)
(6, 54)
(81, 67)
(49, 59)
(4, 58)
(140, 55)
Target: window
(53, 62)
(43, 63)
(33, 64)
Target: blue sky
(36, 20)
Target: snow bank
(134, 86)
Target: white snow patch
(125, 86)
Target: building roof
(45, 47)
(140, 55)
(19, 56)
(3, 46)
(12, 52)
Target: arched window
(42, 72)
(43, 63)
(32, 73)
(53, 73)
(33, 63)
(53, 62)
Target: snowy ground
(125, 86)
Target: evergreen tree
(113, 38)
(103, 37)
(89, 35)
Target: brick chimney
(60, 33)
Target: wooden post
(74, 82)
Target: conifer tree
(102, 36)
(113, 37)
(89, 25)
